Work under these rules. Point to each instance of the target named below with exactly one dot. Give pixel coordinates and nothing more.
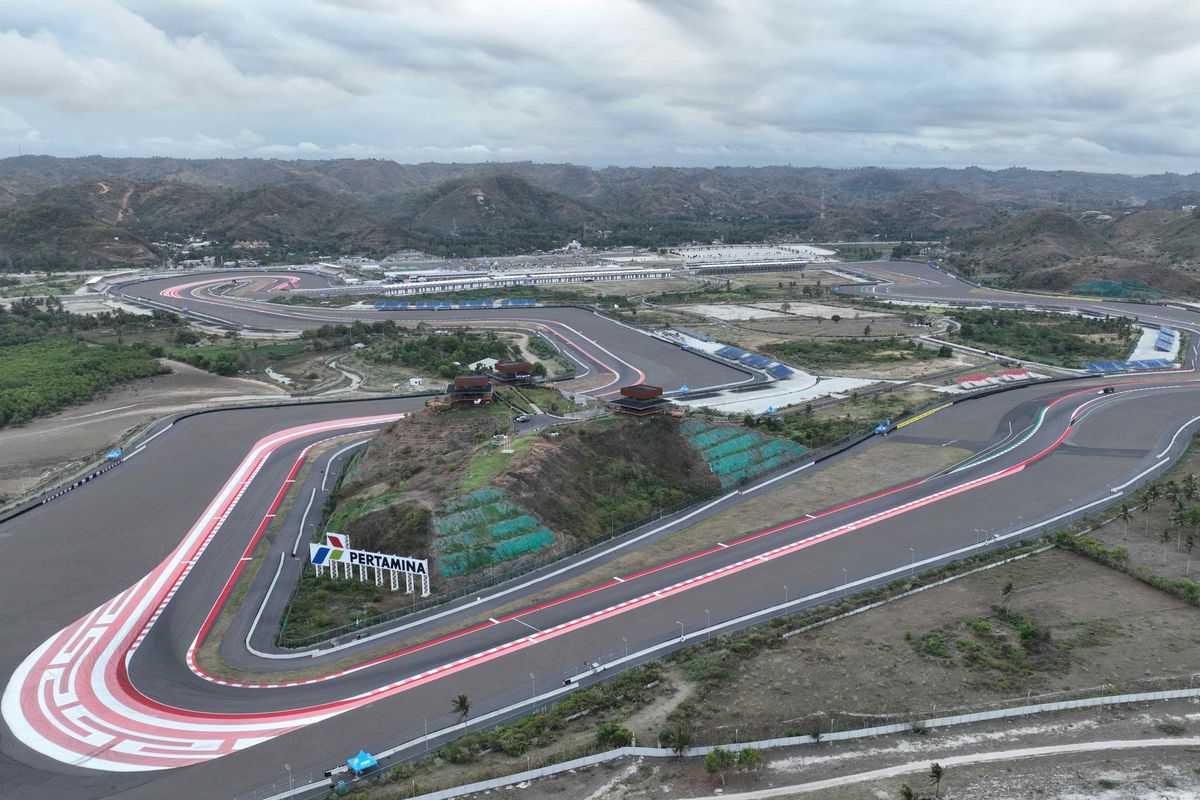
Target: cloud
(1106, 85)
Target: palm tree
(1172, 492)
(907, 793)
(1149, 498)
(1188, 544)
(1125, 516)
(1165, 537)
(462, 707)
(1179, 517)
(1189, 487)
(935, 777)
(1006, 595)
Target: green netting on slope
(479, 497)
(469, 561)
(730, 446)
(707, 439)
(735, 454)
(449, 524)
(484, 528)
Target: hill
(477, 215)
(1139, 252)
(52, 236)
(304, 208)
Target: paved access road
(103, 686)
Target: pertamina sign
(336, 553)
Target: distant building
(513, 371)
(470, 390)
(639, 400)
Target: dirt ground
(1146, 549)
(35, 453)
(1101, 773)
(1121, 636)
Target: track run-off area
(124, 577)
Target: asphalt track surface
(93, 698)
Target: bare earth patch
(33, 454)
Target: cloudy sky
(1096, 85)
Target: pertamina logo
(332, 550)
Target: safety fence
(911, 725)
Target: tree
(1146, 504)
(1163, 539)
(1189, 487)
(1172, 492)
(1125, 516)
(750, 760)
(538, 369)
(836, 318)
(610, 734)
(944, 351)
(867, 329)
(1188, 544)
(1180, 518)
(462, 707)
(786, 308)
(718, 762)
(677, 737)
(936, 773)
(907, 792)
(1006, 595)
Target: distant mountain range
(73, 213)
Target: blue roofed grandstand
(1140, 365)
(1166, 340)
(393, 305)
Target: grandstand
(441, 305)
(736, 455)
(1140, 365)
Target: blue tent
(362, 762)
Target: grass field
(486, 466)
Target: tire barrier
(80, 482)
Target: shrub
(612, 735)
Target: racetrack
(137, 703)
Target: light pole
(785, 594)
(291, 785)
(680, 624)
(845, 580)
(532, 685)
(707, 624)
(626, 642)
(912, 565)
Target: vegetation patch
(45, 364)
(816, 356)
(1063, 339)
